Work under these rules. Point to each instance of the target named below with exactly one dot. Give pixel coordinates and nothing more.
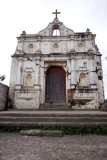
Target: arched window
(31, 48)
(56, 31)
(29, 80)
(83, 80)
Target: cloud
(34, 15)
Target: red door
(55, 85)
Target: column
(37, 71)
(73, 75)
(19, 76)
(72, 44)
(68, 74)
(92, 75)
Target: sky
(34, 15)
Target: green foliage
(98, 130)
(40, 134)
(72, 103)
(9, 129)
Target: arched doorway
(55, 85)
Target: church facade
(56, 66)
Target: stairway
(55, 106)
(53, 118)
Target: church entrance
(55, 85)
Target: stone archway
(55, 85)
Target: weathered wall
(13, 78)
(3, 96)
(76, 53)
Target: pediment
(56, 24)
(27, 70)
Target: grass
(99, 130)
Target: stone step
(21, 113)
(35, 132)
(54, 107)
(53, 119)
(53, 124)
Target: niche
(81, 46)
(29, 81)
(31, 48)
(56, 48)
(83, 79)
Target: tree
(2, 78)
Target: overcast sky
(34, 15)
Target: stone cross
(56, 13)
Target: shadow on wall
(3, 96)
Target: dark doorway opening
(55, 85)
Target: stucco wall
(3, 96)
(76, 53)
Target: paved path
(16, 147)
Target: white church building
(56, 66)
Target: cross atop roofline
(56, 13)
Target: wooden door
(55, 85)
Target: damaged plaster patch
(81, 103)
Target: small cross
(56, 13)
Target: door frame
(65, 81)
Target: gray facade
(41, 58)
